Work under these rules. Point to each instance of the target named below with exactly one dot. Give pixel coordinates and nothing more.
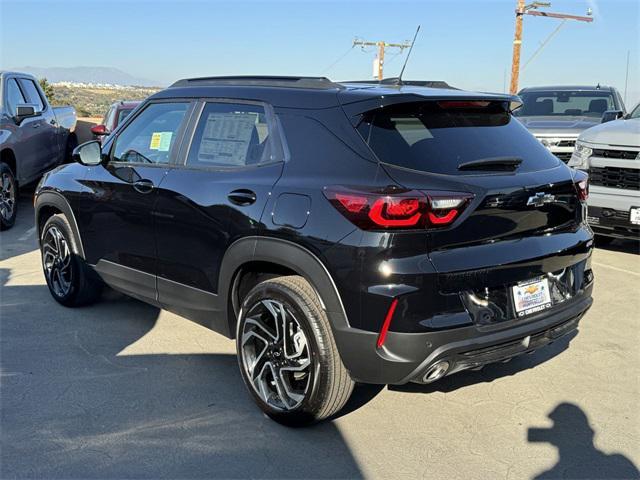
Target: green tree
(47, 88)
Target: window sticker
(226, 138)
(165, 141)
(160, 141)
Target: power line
(544, 43)
(340, 58)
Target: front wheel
(70, 280)
(287, 354)
(8, 197)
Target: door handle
(36, 125)
(143, 186)
(242, 197)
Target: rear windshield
(437, 137)
(565, 103)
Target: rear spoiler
(356, 108)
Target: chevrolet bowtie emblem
(540, 199)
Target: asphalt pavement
(121, 389)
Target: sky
(467, 43)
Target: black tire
(328, 384)
(75, 283)
(8, 197)
(603, 240)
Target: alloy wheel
(56, 258)
(275, 355)
(7, 196)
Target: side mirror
(610, 115)
(25, 111)
(99, 130)
(88, 154)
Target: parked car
(610, 153)
(34, 137)
(556, 115)
(116, 114)
(339, 232)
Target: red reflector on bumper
(387, 321)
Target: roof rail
(260, 81)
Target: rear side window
(231, 135)
(437, 137)
(31, 91)
(151, 136)
(14, 96)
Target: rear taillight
(395, 208)
(582, 187)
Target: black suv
(341, 232)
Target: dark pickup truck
(34, 137)
(556, 115)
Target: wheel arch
(50, 203)
(277, 257)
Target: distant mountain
(88, 75)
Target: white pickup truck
(34, 137)
(610, 153)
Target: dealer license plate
(634, 215)
(531, 296)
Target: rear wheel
(8, 197)
(287, 354)
(71, 282)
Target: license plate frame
(531, 296)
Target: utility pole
(381, 48)
(626, 78)
(531, 9)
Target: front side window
(14, 96)
(231, 135)
(31, 91)
(151, 136)
(565, 103)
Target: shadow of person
(120, 389)
(572, 435)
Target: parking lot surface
(121, 389)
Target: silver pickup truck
(556, 115)
(610, 153)
(34, 137)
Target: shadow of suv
(340, 232)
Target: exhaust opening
(436, 371)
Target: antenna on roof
(408, 55)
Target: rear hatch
(523, 218)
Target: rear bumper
(407, 357)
